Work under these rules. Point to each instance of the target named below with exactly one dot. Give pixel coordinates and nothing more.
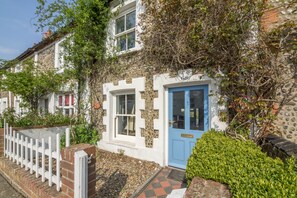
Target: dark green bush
(243, 166)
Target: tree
(225, 39)
(31, 84)
(85, 24)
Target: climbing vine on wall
(227, 41)
(83, 24)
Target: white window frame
(2, 102)
(125, 32)
(117, 136)
(63, 107)
(18, 68)
(59, 57)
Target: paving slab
(6, 190)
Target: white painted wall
(3, 104)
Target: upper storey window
(125, 30)
(59, 56)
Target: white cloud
(5, 50)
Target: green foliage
(241, 165)
(85, 24)
(225, 40)
(32, 83)
(34, 119)
(82, 133)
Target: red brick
(70, 193)
(70, 175)
(68, 183)
(66, 165)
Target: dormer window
(125, 30)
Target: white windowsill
(122, 143)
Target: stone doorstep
(28, 185)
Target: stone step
(179, 193)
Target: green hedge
(34, 119)
(243, 166)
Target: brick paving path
(161, 185)
(6, 190)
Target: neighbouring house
(286, 121)
(47, 54)
(5, 101)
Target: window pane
(120, 25)
(121, 43)
(131, 40)
(72, 99)
(179, 110)
(131, 126)
(66, 100)
(60, 100)
(121, 106)
(122, 125)
(130, 20)
(131, 104)
(67, 112)
(197, 110)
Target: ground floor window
(66, 104)
(125, 115)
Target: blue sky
(17, 32)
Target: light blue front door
(188, 120)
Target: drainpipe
(9, 99)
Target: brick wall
(30, 186)
(27, 184)
(67, 169)
(270, 19)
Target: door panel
(178, 145)
(188, 120)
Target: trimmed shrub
(242, 166)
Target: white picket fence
(26, 152)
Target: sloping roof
(45, 42)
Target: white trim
(137, 148)
(2, 101)
(126, 6)
(185, 78)
(59, 59)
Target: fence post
(69, 172)
(2, 141)
(80, 174)
(67, 137)
(2, 135)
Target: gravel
(119, 175)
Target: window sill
(128, 52)
(123, 143)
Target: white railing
(28, 153)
